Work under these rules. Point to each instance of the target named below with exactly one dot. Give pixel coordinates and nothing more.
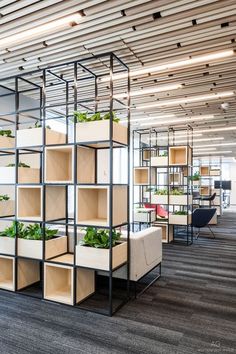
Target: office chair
(209, 198)
(201, 217)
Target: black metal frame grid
(111, 62)
(153, 134)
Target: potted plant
(145, 215)
(160, 196)
(93, 250)
(6, 206)
(180, 217)
(35, 138)
(160, 160)
(30, 242)
(7, 140)
(195, 178)
(178, 197)
(7, 238)
(96, 128)
(26, 174)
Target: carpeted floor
(192, 309)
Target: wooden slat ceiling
(142, 33)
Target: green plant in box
(4, 197)
(176, 191)
(20, 164)
(10, 231)
(35, 232)
(181, 212)
(196, 177)
(162, 191)
(99, 238)
(7, 133)
(114, 117)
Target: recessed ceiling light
(178, 101)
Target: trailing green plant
(176, 191)
(20, 164)
(99, 238)
(163, 154)
(195, 177)
(4, 197)
(162, 191)
(30, 232)
(7, 133)
(150, 189)
(84, 117)
(10, 231)
(180, 212)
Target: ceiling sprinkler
(225, 106)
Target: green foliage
(80, 117)
(20, 164)
(195, 177)
(176, 191)
(163, 154)
(150, 189)
(39, 125)
(163, 191)
(99, 238)
(4, 197)
(11, 230)
(7, 133)
(31, 232)
(181, 212)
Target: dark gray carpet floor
(191, 310)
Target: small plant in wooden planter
(96, 128)
(7, 140)
(7, 237)
(160, 196)
(178, 197)
(93, 250)
(26, 174)
(160, 160)
(180, 217)
(195, 177)
(30, 242)
(6, 206)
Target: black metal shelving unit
(153, 143)
(55, 93)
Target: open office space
(117, 176)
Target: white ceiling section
(144, 34)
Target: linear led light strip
(180, 120)
(212, 130)
(203, 150)
(178, 64)
(213, 152)
(209, 97)
(199, 140)
(137, 120)
(36, 31)
(150, 91)
(211, 145)
(176, 136)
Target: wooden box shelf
(174, 178)
(157, 161)
(7, 208)
(7, 273)
(29, 202)
(59, 164)
(59, 284)
(215, 172)
(6, 142)
(146, 155)
(141, 176)
(7, 245)
(28, 273)
(180, 155)
(205, 190)
(99, 131)
(159, 199)
(180, 199)
(25, 175)
(34, 137)
(204, 171)
(145, 215)
(86, 165)
(165, 230)
(34, 248)
(180, 219)
(98, 258)
(93, 205)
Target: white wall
(232, 177)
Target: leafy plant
(196, 177)
(99, 238)
(39, 125)
(80, 117)
(176, 191)
(163, 191)
(7, 133)
(20, 164)
(4, 197)
(181, 212)
(150, 189)
(163, 154)
(35, 232)
(10, 231)
(31, 232)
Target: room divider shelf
(62, 189)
